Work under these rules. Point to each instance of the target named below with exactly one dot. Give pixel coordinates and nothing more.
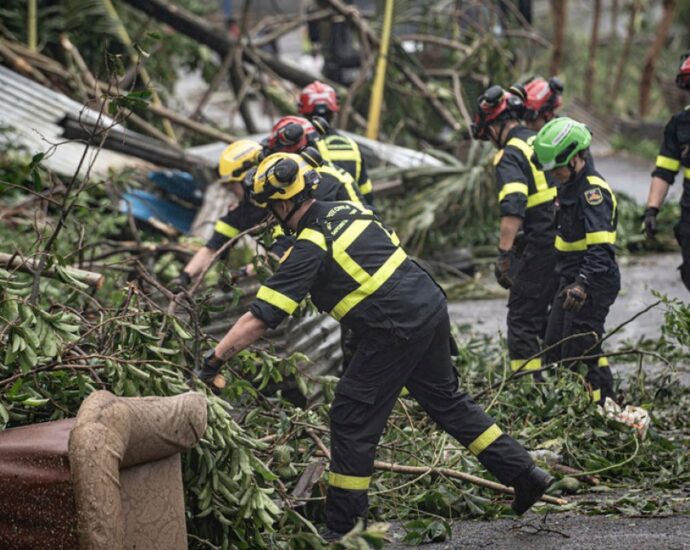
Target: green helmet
(559, 141)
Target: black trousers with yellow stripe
(365, 397)
(534, 286)
(590, 319)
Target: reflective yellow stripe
(667, 163)
(598, 237)
(686, 173)
(533, 364)
(513, 187)
(490, 435)
(345, 179)
(394, 237)
(539, 177)
(596, 396)
(601, 237)
(372, 284)
(565, 246)
(595, 180)
(366, 188)
(277, 231)
(354, 483)
(603, 362)
(277, 299)
(226, 229)
(547, 195)
(313, 237)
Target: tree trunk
(559, 10)
(635, 8)
(590, 72)
(202, 31)
(613, 32)
(653, 55)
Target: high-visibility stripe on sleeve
(513, 187)
(603, 362)
(575, 246)
(597, 237)
(366, 188)
(277, 299)
(277, 231)
(596, 395)
(547, 195)
(353, 483)
(532, 364)
(601, 237)
(491, 434)
(226, 229)
(313, 236)
(667, 163)
(370, 286)
(686, 173)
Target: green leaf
(4, 415)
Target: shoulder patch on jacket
(594, 196)
(498, 156)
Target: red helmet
(542, 98)
(291, 134)
(683, 76)
(493, 105)
(318, 99)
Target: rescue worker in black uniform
(674, 154)
(356, 270)
(236, 163)
(319, 101)
(292, 134)
(527, 260)
(589, 282)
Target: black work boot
(529, 487)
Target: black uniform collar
(520, 131)
(309, 216)
(575, 186)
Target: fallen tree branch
(13, 261)
(447, 472)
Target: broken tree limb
(98, 90)
(198, 127)
(13, 261)
(20, 64)
(421, 470)
(475, 480)
(203, 32)
(123, 35)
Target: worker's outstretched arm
(247, 330)
(657, 192)
(199, 261)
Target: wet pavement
(639, 277)
(565, 532)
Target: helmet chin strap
(284, 222)
(497, 139)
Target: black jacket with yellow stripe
(334, 185)
(354, 269)
(587, 218)
(345, 153)
(523, 190)
(674, 154)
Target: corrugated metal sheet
(394, 155)
(32, 111)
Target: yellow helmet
(283, 176)
(238, 158)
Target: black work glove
(649, 224)
(575, 294)
(238, 274)
(180, 283)
(502, 268)
(207, 372)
